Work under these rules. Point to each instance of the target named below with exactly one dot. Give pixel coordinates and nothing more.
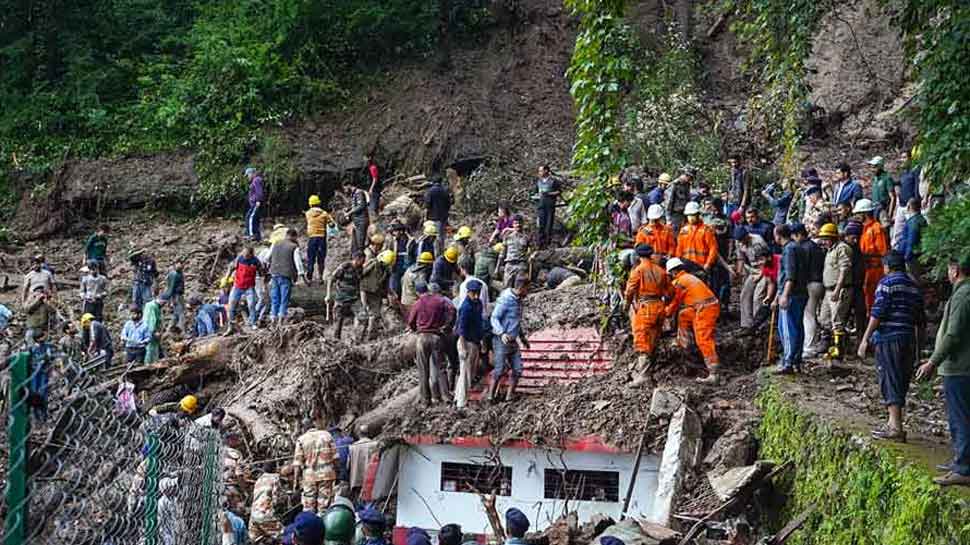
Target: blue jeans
(956, 389)
(252, 222)
(235, 295)
(279, 296)
(791, 331)
(394, 281)
(506, 355)
(141, 294)
(316, 254)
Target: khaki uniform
(263, 522)
(234, 477)
(516, 256)
(838, 261)
(316, 454)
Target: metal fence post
(151, 490)
(17, 431)
(208, 482)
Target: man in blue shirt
(135, 336)
(507, 332)
(780, 202)
(470, 330)
(896, 316)
(791, 300)
(846, 189)
(911, 239)
(758, 226)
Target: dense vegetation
(92, 78)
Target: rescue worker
(656, 234)
(346, 278)
(144, 272)
(243, 270)
(376, 187)
(547, 190)
(96, 340)
(656, 195)
(317, 222)
(399, 245)
(445, 273)
(234, 472)
(470, 330)
(38, 277)
(314, 467)
(359, 217)
(264, 524)
(646, 288)
(373, 289)
(437, 202)
(429, 237)
(372, 525)
(339, 522)
(466, 247)
(791, 300)
(696, 242)
(208, 317)
(837, 280)
(429, 319)
(506, 322)
(853, 234)
(486, 264)
(94, 288)
(516, 252)
(754, 288)
(696, 309)
(375, 247)
(678, 195)
(152, 319)
(873, 245)
(307, 529)
(420, 271)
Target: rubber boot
(511, 393)
(643, 366)
(711, 378)
(838, 346)
(340, 327)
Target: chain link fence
(83, 467)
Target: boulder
(733, 449)
(734, 481)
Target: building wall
(419, 487)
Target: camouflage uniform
(516, 256)
(263, 522)
(234, 477)
(316, 455)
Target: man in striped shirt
(894, 320)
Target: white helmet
(863, 205)
(673, 263)
(655, 212)
(692, 208)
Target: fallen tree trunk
(191, 361)
(376, 418)
(563, 257)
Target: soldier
(264, 525)
(314, 462)
(234, 473)
(347, 279)
(373, 288)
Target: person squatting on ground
(506, 322)
(96, 340)
(429, 318)
(697, 310)
(646, 288)
(895, 318)
(314, 467)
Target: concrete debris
(734, 481)
(631, 533)
(666, 402)
(681, 453)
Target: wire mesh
(84, 468)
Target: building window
(582, 485)
(476, 479)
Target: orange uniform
(697, 243)
(873, 246)
(699, 313)
(647, 285)
(659, 236)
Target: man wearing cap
(420, 272)
(152, 320)
(738, 188)
(656, 195)
(398, 243)
(96, 339)
(314, 467)
(429, 318)
(372, 524)
(144, 271)
(516, 524)
(257, 195)
(646, 288)
(94, 288)
(437, 202)
(506, 322)
(345, 286)
(696, 242)
(697, 310)
(657, 234)
(307, 529)
(373, 289)
(838, 282)
(951, 360)
(883, 193)
(267, 492)
(896, 315)
(791, 300)
(547, 189)
(754, 287)
(317, 222)
(444, 272)
(814, 259)
(516, 252)
(874, 247)
(470, 329)
(678, 195)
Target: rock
(662, 534)
(630, 533)
(665, 402)
(734, 481)
(733, 449)
(681, 453)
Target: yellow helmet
(426, 258)
(388, 257)
(498, 247)
(430, 229)
(87, 318)
(377, 238)
(451, 254)
(829, 230)
(463, 232)
(314, 200)
(225, 281)
(189, 404)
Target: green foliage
(949, 234)
(600, 70)
(864, 495)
